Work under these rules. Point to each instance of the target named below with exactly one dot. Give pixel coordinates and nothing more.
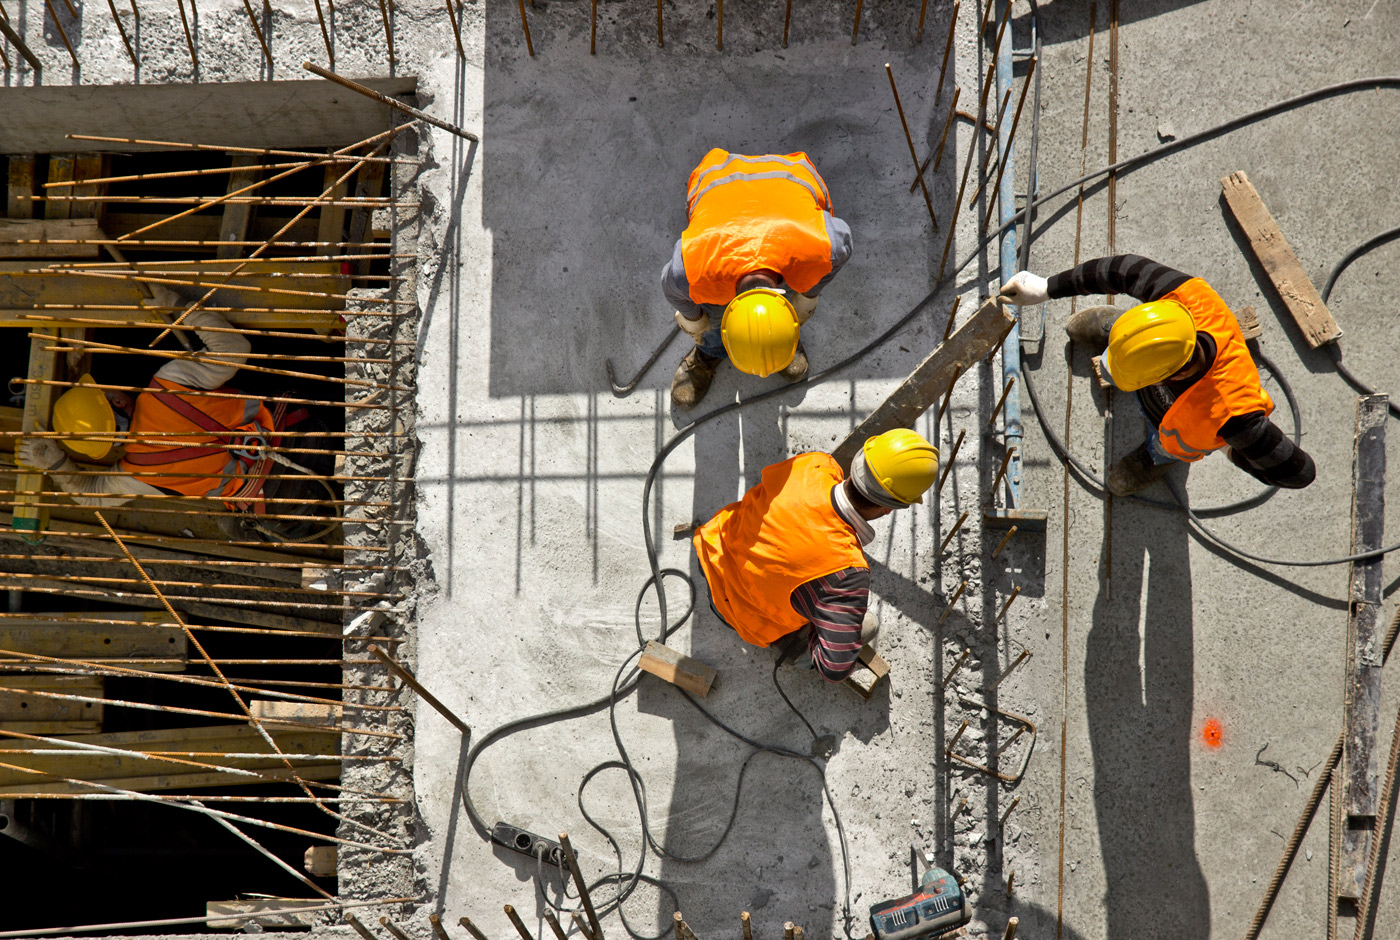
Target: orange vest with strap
(784, 532)
(1230, 387)
(198, 463)
(751, 213)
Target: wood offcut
(678, 669)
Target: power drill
(939, 907)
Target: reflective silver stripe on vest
(250, 410)
(769, 158)
(750, 177)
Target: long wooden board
(40, 714)
(27, 514)
(1294, 287)
(121, 637)
(267, 913)
(677, 668)
(926, 385)
(142, 774)
(31, 238)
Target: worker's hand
(694, 328)
(804, 306)
(162, 296)
(41, 453)
(1025, 289)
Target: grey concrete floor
(540, 251)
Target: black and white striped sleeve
(1261, 449)
(1133, 275)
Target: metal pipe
(1011, 345)
(393, 666)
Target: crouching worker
(186, 434)
(785, 562)
(1182, 352)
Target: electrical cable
(627, 882)
(1335, 349)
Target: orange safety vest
(784, 532)
(198, 464)
(1230, 387)
(752, 213)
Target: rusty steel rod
(788, 930)
(111, 797)
(388, 34)
(126, 41)
(518, 923)
(308, 155)
(18, 42)
(937, 156)
(435, 922)
(952, 455)
(949, 609)
(462, 54)
(389, 925)
(593, 30)
(360, 928)
(956, 736)
(948, 395)
(952, 317)
(787, 20)
(1025, 654)
(719, 44)
(947, 47)
(855, 27)
(595, 928)
(189, 37)
(257, 31)
(203, 394)
(1004, 539)
(63, 33)
(397, 669)
(745, 926)
(956, 666)
(1001, 401)
(1015, 592)
(553, 922)
(928, 200)
(326, 35)
(471, 928)
(258, 847)
(987, 157)
(967, 168)
(1005, 460)
(399, 105)
(1010, 137)
(582, 925)
(951, 532)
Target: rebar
(388, 33)
(951, 532)
(111, 5)
(572, 860)
(1001, 401)
(553, 922)
(593, 30)
(326, 36)
(461, 53)
(18, 42)
(947, 46)
(949, 609)
(787, 20)
(855, 27)
(203, 394)
(1015, 592)
(1010, 137)
(308, 155)
(189, 38)
(719, 44)
(257, 31)
(952, 455)
(397, 669)
(956, 666)
(1025, 654)
(1004, 539)
(660, 41)
(987, 157)
(62, 33)
(435, 921)
(392, 928)
(967, 168)
(928, 200)
(952, 318)
(787, 930)
(94, 928)
(471, 928)
(300, 876)
(936, 157)
(745, 925)
(529, 46)
(360, 928)
(1005, 461)
(956, 736)
(948, 395)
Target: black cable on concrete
(630, 880)
(1335, 349)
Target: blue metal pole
(1006, 197)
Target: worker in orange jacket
(1181, 351)
(222, 451)
(759, 246)
(785, 563)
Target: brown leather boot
(692, 380)
(796, 370)
(1089, 327)
(1135, 472)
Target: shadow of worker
(777, 851)
(1138, 680)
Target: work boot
(693, 378)
(1135, 472)
(796, 370)
(1089, 327)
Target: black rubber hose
(1335, 349)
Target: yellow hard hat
(903, 463)
(760, 331)
(81, 410)
(1148, 343)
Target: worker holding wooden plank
(759, 246)
(1182, 352)
(227, 451)
(785, 563)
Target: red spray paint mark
(1212, 733)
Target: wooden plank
(979, 335)
(25, 285)
(234, 225)
(122, 637)
(60, 171)
(331, 224)
(21, 712)
(369, 183)
(88, 166)
(139, 774)
(15, 231)
(309, 713)
(868, 674)
(677, 668)
(1277, 258)
(1362, 695)
(290, 114)
(321, 861)
(19, 201)
(1248, 320)
(26, 516)
(202, 227)
(266, 913)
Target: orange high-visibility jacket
(1230, 387)
(784, 532)
(751, 213)
(195, 464)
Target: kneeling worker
(787, 557)
(1181, 351)
(759, 245)
(196, 462)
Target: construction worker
(1181, 351)
(760, 244)
(154, 461)
(784, 564)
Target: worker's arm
(677, 288)
(1133, 275)
(85, 489)
(215, 370)
(836, 606)
(840, 253)
(1261, 449)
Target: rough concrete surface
(539, 254)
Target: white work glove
(162, 296)
(41, 453)
(694, 328)
(1025, 289)
(804, 306)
